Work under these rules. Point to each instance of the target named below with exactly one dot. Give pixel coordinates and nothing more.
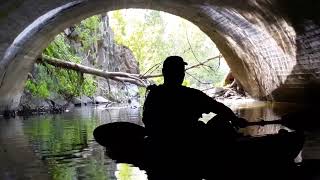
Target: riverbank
(32, 105)
(55, 104)
(232, 98)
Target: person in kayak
(172, 107)
(171, 115)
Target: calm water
(62, 146)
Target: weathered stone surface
(100, 100)
(86, 99)
(36, 105)
(111, 57)
(271, 46)
(30, 102)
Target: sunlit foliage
(154, 35)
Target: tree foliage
(154, 35)
(49, 79)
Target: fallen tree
(117, 76)
(137, 79)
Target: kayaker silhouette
(171, 107)
(171, 115)
(174, 144)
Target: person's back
(168, 109)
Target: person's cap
(173, 61)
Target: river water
(62, 146)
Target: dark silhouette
(171, 116)
(174, 144)
(171, 107)
(267, 157)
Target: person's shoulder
(193, 90)
(196, 93)
(152, 87)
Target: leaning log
(117, 76)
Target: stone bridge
(271, 46)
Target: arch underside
(266, 52)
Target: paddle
(291, 120)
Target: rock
(126, 60)
(9, 114)
(76, 101)
(57, 100)
(133, 90)
(215, 92)
(32, 102)
(86, 99)
(30, 105)
(134, 103)
(218, 90)
(101, 100)
(83, 100)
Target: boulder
(32, 102)
(83, 100)
(76, 101)
(86, 99)
(100, 100)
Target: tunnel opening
(226, 27)
(134, 42)
(257, 39)
(271, 50)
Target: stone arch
(257, 39)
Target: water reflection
(266, 111)
(58, 146)
(62, 146)
(17, 158)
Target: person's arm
(220, 109)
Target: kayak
(127, 142)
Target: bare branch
(191, 67)
(203, 63)
(197, 79)
(193, 53)
(156, 65)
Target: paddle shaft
(262, 122)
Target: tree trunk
(117, 76)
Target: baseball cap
(173, 61)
